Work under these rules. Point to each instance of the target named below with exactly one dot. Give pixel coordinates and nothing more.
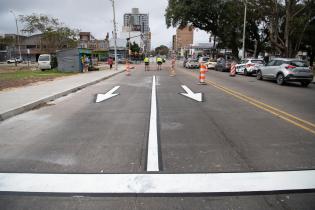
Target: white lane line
(158, 183)
(153, 154)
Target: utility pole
(17, 34)
(115, 34)
(244, 30)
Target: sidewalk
(19, 100)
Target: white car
(211, 64)
(47, 61)
(12, 60)
(249, 66)
(192, 64)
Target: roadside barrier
(233, 69)
(202, 75)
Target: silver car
(286, 70)
(192, 64)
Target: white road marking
(158, 183)
(153, 154)
(192, 95)
(109, 94)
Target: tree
(134, 47)
(287, 22)
(161, 50)
(55, 34)
(223, 19)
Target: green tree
(134, 47)
(161, 50)
(55, 34)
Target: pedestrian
(110, 62)
(146, 64)
(87, 63)
(159, 62)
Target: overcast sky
(93, 15)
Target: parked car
(192, 64)
(249, 66)
(211, 64)
(203, 59)
(286, 70)
(223, 65)
(13, 60)
(47, 61)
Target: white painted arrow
(192, 95)
(109, 94)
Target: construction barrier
(233, 69)
(127, 69)
(202, 74)
(173, 68)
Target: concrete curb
(32, 105)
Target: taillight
(290, 67)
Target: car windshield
(297, 63)
(258, 61)
(43, 58)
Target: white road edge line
(158, 183)
(153, 153)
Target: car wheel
(305, 83)
(259, 75)
(280, 79)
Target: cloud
(93, 15)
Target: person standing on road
(110, 62)
(159, 63)
(146, 64)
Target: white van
(47, 61)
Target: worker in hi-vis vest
(146, 64)
(159, 62)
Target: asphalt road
(222, 134)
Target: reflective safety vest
(159, 59)
(146, 60)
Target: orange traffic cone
(202, 75)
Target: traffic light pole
(115, 34)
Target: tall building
(184, 37)
(137, 23)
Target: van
(47, 61)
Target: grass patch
(38, 74)
(24, 77)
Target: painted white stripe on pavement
(153, 155)
(158, 183)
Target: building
(184, 37)
(138, 22)
(31, 47)
(100, 47)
